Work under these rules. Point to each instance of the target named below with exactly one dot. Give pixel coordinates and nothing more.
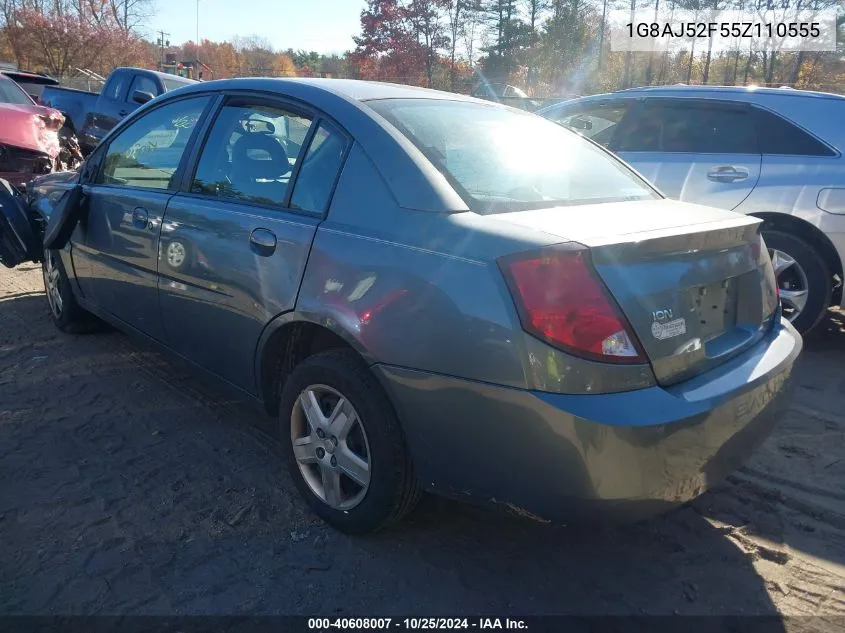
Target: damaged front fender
(33, 142)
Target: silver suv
(769, 152)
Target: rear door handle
(727, 173)
(140, 218)
(123, 113)
(262, 242)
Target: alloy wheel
(52, 284)
(330, 446)
(792, 283)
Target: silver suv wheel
(792, 282)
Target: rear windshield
(10, 92)
(499, 159)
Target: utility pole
(198, 34)
(163, 42)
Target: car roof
(687, 89)
(159, 74)
(684, 90)
(39, 78)
(352, 89)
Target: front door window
(148, 151)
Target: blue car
(429, 292)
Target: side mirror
(142, 96)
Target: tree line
(546, 47)
(560, 47)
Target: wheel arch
(810, 234)
(287, 341)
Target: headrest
(260, 156)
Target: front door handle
(262, 242)
(727, 173)
(140, 218)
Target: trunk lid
(695, 283)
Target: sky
(325, 26)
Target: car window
(779, 136)
(115, 86)
(320, 169)
(595, 121)
(10, 92)
(145, 84)
(500, 159)
(250, 154)
(147, 152)
(174, 83)
(688, 127)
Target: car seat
(258, 163)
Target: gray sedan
(428, 291)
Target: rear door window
(251, 153)
(780, 137)
(688, 126)
(320, 169)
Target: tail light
(561, 301)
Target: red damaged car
(29, 136)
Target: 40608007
(366, 624)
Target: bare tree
(473, 27)
(455, 14)
(533, 11)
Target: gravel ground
(128, 486)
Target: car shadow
(136, 488)
(788, 499)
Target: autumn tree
(387, 47)
(60, 36)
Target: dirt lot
(129, 486)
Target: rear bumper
(625, 455)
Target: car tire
(811, 271)
(391, 490)
(66, 313)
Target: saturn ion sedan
(430, 293)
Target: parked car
(429, 292)
(32, 83)
(90, 115)
(29, 139)
(771, 153)
(505, 93)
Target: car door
(117, 248)
(697, 150)
(111, 106)
(236, 238)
